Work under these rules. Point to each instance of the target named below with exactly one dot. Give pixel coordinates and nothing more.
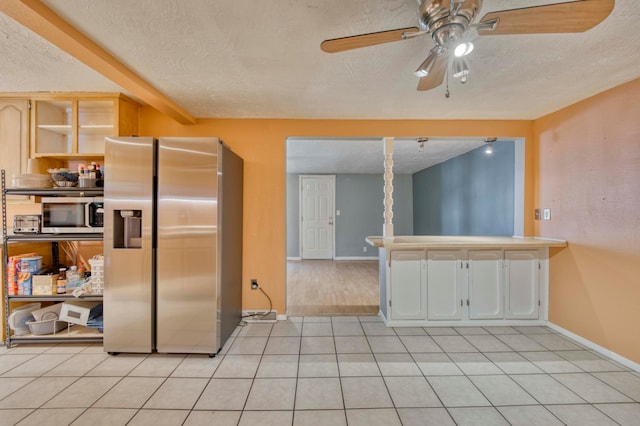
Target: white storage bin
(30, 181)
(97, 274)
(79, 312)
(45, 313)
(19, 317)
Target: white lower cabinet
(522, 273)
(464, 285)
(408, 285)
(485, 285)
(445, 277)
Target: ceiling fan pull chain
(446, 93)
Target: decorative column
(388, 187)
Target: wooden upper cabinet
(14, 136)
(74, 127)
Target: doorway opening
(433, 189)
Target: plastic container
(31, 264)
(72, 276)
(28, 267)
(97, 274)
(44, 313)
(31, 181)
(86, 182)
(49, 325)
(19, 317)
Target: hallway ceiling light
(421, 142)
(489, 142)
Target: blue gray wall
(293, 213)
(472, 194)
(360, 199)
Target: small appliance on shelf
(27, 223)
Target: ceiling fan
(452, 26)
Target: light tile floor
(326, 371)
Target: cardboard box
(14, 264)
(44, 285)
(77, 312)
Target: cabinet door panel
(485, 285)
(522, 285)
(408, 285)
(14, 139)
(444, 273)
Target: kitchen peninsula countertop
(452, 242)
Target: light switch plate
(536, 213)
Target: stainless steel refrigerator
(172, 244)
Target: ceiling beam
(37, 17)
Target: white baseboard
(259, 315)
(282, 317)
(355, 258)
(298, 258)
(600, 349)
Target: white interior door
(316, 216)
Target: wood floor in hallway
(332, 287)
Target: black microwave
(73, 215)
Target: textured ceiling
(307, 155)
(242, 58)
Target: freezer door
(128, 245)
(187, 271)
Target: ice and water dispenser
(127, 229)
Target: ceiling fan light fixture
(463, 49)
(425, 67)
(460, 68)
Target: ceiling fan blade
(435, 77)
(572, 17)
(364, 40)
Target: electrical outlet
(254, 284)
(364, 249)
(546, 214)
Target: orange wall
(588, 173)
(261, 143)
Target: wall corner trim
(600, 349)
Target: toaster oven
(27, 224)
